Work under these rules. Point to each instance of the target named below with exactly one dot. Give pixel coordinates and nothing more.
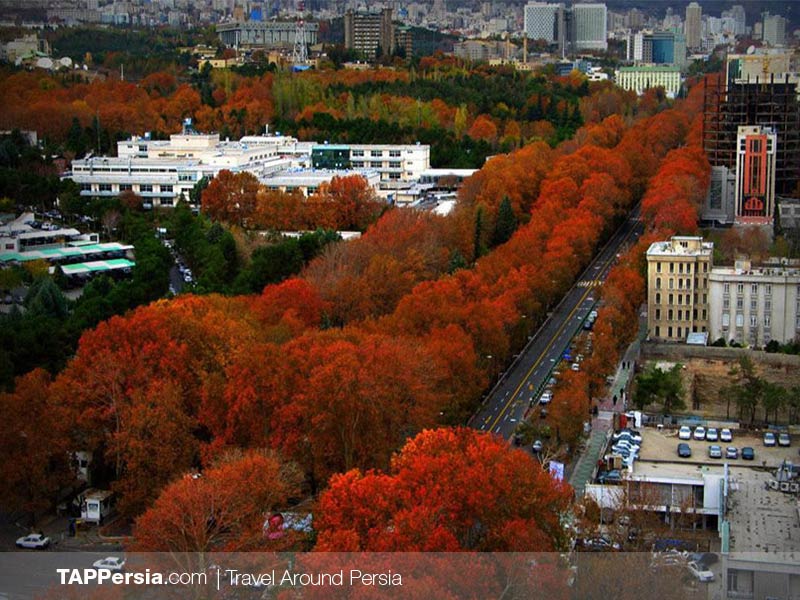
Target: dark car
(614, 476)
(748, 453)
(684, 451)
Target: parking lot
(661, 446)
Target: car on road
(34, 541)
(546, 398)
(537, 446)
(748, 453)
(769, 439)
(712, 435)
(700, 572)
(685, 433)
(552, 381)
(110, 563)
(725, 435)
(784, 439)
(567, 355)
(700, 433)
(684, 451)
(714, 451)
(732, 452)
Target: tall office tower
(370, 32)
(589, 27)
(693, 26)
(542, 20)
(773, 29)
(755, 174)
(738, 15)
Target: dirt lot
(662, 446)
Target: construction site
(769, 100)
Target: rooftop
(681, 246)
(66, 252)
(97, 266)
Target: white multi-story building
(754, 306)
(542, 21)
(589, 30)
(162, 171)
(641, 78)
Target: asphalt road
(505, 406)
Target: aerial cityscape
(431, 299)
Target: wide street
(505, 406)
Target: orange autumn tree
(222, 510)
(231, 198)
(34, 448)
(447, 490)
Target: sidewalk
(602, 423)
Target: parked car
(784, 440)
(109, 563)
(546, 397)
(575, 367)
(748, 453)
(725, 435)
(600, 544)
(34, 541)
(537, 446)
(711, 434)
(684, 451)
(714, 451)
(700, 572)
(628, 433)
(614, 476)
(700, 433)
(769, 439)
(685, 433)
(732, 452)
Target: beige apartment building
(677, 287)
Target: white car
(700, 572)
(109, 563)
(700, 433)
(725, 435)
(685, 433)
(34, 541)
(575, 367)
(546, 398)
(712, 435)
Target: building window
(767, 305)
(767, 321)
(671, 267)
(671, 299)
(671, 283)
(358, 153)
(726, 320)
(680, 298)
(752, 320)
(739, 303)
(658, 269)
(145, 188)
(358, 164)
(394, 153)
(166, 188)
(726, 303)
(705, 267)
(726, 288)
(753, 304)
(394, 164)
(104, 187)
(658, 283)
(680, 315)
(680, 267)
(125, 187)
(658, 314)
(658, 298)
(768, 289)
(739, 320)
(705, 314)
(679, 331)
(740, 288)
(669, 315)
(754, 288)
(658, 331)
(375, 164)
(669, 331)
(376, 153)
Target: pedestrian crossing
(590, 283)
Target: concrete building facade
(677, 287)
(693, 26)
(264, 34)
(754, 306)
(642, 78)
(370, 33)
(589, 27)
